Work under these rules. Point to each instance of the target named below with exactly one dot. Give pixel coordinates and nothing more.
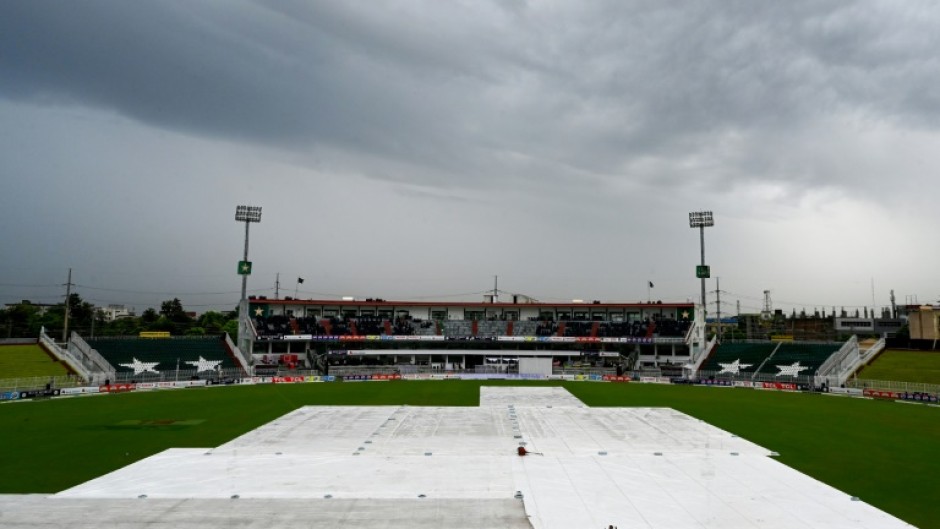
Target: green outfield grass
(883, 452)
(22, 361)
(905, 366)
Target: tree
(149, 316)
(173, 310)
(211, 322)
(80, 312)
(162, 324)
(231, 327)
(123, 326)
(21, 320)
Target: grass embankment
(23, 361)
(905, 366)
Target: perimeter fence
(893, 385)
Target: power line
(49, 285)
(793, 303)
(170, 293)
(450, 295)
(39, 299)
(433, 296)
(186, 305)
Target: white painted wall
(535, 366)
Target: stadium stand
(806, 355)
(458, 328)
(772, 360)
(524, 328)
(402, 327)
(275, 326)
(439, 335)
(752, 354)
(353, 332)
(426, 328)
(166, 354)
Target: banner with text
(779, 386)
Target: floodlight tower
(701, 220)
(246, 214)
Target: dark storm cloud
(176, 65)
(452, 94)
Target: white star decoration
(790, 370)
(259, 311)
(204, 365)
(734, 367)
(140, 367)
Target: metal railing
(340, 371)
(768, 359)
(99, 368)
(27, 383)
(124, 377)
(703, 354)
(807, 380)
(237, 353)
(66, 381)
(408, 369)
(63, 354)
(893, 385)
(876, 348)
(833, 364)
(690, 334)
(585, 371)
(850, 361)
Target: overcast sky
(415, 149)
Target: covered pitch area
(394, 466)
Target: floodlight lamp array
(248, 213)
(698, 219)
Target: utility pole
(68, 297)
(277, 286)
(495, 289)
(718, 304)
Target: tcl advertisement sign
(287, 380)
(781, 386)
(116, 388)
